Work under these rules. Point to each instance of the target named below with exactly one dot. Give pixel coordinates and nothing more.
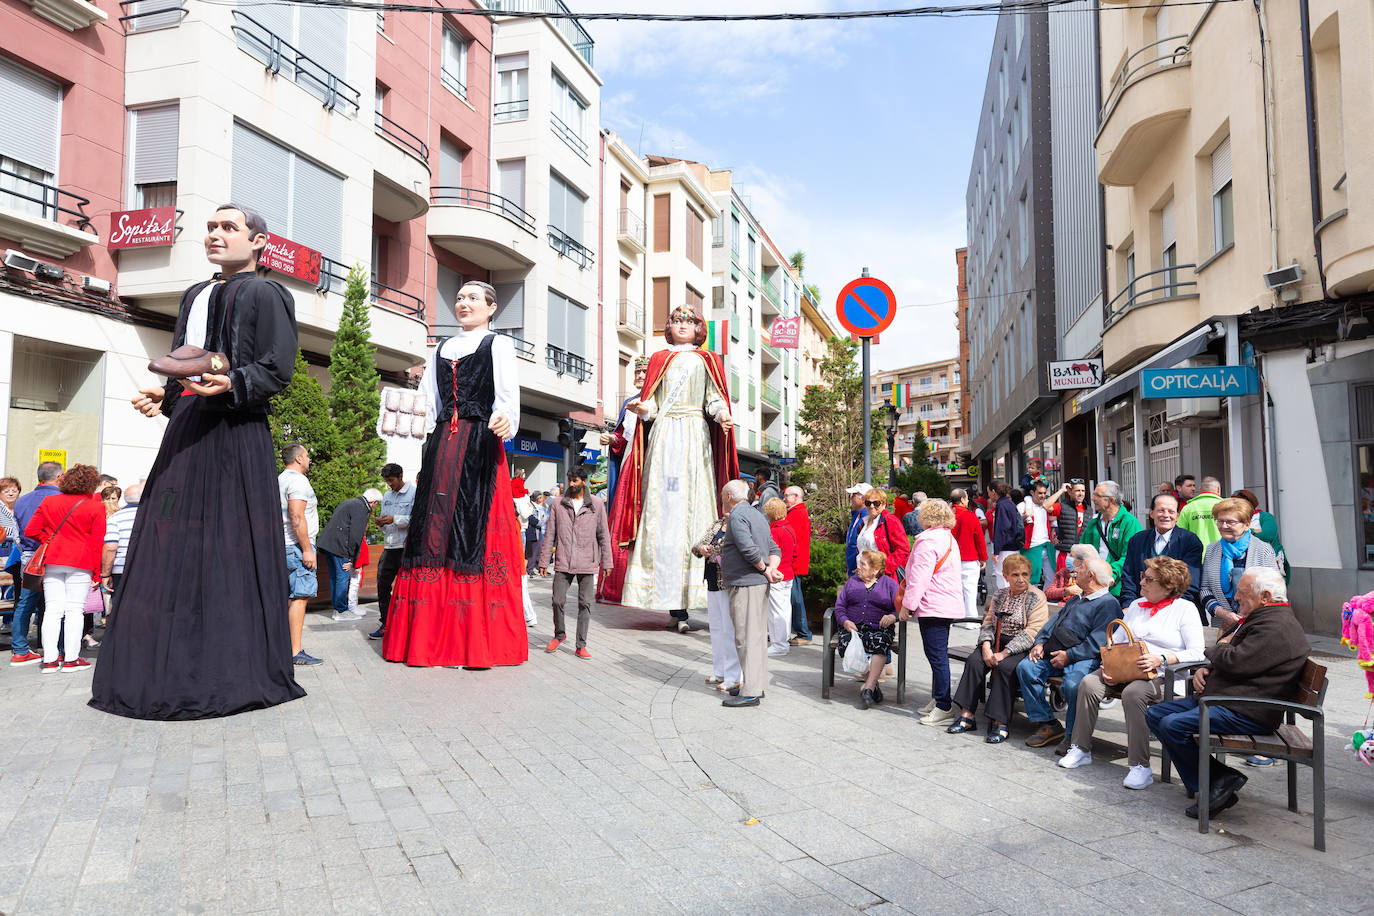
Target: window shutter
(558, 321)
(447, 286)
(31, 118)
(260, 176)
(1221, 165)
(450, 164)
(155, 144)
(277, 18)
(512, 62)
(573, 212)
(577, 328)
(662, 230)
(323, 37)
(692, 254)
(512, 174)
(660, 304)
(317, 208)
(558, 196)
(510, 312)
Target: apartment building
(624, 280)
(1033, 263)
(813, 344)
(961, 320)
(1240, 218)
(928, 399)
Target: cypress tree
(354, 391)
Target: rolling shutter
(510, 312)
(260, 176)
(30, 118)
(1221, 165)
(450, 164)
(317, 208)
(662, 229)
(156, 133)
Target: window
(695, 299)
(696, 226)
(153, 134)
(300, 200)
(30, 128)
(320, 33)
(450, 164)
(1130, 274)
(568, 114)
(734, 236)
(1223, 217)
(566, 206)
(1363, 428)
(511, 174)
(567, 324)
(753, 255)
(1023, 226)
(453, 72)
(663, 206)
(510, 307)
(1329, 96)
(1168, 256)
(660, 304)
(512, 88)
(161, 14)
(56, 394)
(446, 294)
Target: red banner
(286, 257)
(785, 333)
(142, 228)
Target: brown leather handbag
(1121, 659)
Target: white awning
(1190, 344)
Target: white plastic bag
(855, 659)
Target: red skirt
(440, 618)
(610, 585)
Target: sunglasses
(872, 503)
(1077, 480)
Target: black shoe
(740, 701)
(877, 694)
(1229, 783)
(965, 724)
(1214, 809)
(867, 696)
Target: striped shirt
(117, 531)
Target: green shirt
(1197, 518)
(1113, 534)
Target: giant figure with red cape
(681, 454)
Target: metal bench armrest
(1303, 709)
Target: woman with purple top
(866, 607)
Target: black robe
(198, 627)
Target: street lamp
(891, 443)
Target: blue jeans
(799, 624)
(28, 604)
(1034, 676)
(935, 640)
(338, 580)
(1175, 724)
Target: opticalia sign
(1071, 374)
(142, 228)
(287, 257)
(1200, 382)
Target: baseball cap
(372, 495)
(860, 488)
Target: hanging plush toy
(1347, 629)
(1362, 743)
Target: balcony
(400, 171)
(334, 279)
(565, 363)
(771, 355)
(261, 43)
(1147, 313)
(570, 29)
(630, 230)
(485, 228)
(772, 398)
(631, 317)
(43, 218)
(772, 443)
(718, 235)
(568, 135)
(570, 248)
(148, 15)
(771, 298)
(514, 110)
(72, 15)
(1135, 121)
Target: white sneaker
(1076, 757)
(683, 627)
(349, 615)
(927, 709)
(775, 651)
(937, 716)
(1138, 777)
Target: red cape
(629, 491)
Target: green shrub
(827, 573)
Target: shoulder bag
(1120, 659)
(33, 570)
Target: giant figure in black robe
(199, 627)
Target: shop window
(1363, 428)
(56, 394)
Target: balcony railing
(1155, 56)
(772, 443)
(515, 110)
(718, 237)
(279, 56)
(523, 348)
(569, 28)
(146, 15)
(334, 279)
(402, 136)
(772, 396)
(630, 226)
(568, 135)
(570, 247)
(631, 314)
(770, 291)
(1175, 282)
(448, 196)
(565, 363)
(43, 200)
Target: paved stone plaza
(620, 785)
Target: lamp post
(891, 443)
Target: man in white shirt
(300, 524)
(1039, 549)
(395, 521)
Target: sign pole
(868, 410)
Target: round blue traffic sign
(866, 306)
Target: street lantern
(891, 413)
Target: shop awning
(1189, 345)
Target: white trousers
(355, 582)
(64, 596)
(724, 658)
(999, 581)
(971, 573)
(779, 614)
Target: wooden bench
(830, 645)
(1288, 743)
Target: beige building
(928, 398)
(814, 342)
(1239, 238)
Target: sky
(849, 140)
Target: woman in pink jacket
(935, 594)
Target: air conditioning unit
(17, 260)
(1182, 410)
(95, 285)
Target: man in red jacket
(799, 520)
(973, 548)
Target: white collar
(681, 348)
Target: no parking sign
(866, 306)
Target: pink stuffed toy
(1362, 633)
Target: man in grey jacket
(748, 564)
(578, 529)
(339, 543)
